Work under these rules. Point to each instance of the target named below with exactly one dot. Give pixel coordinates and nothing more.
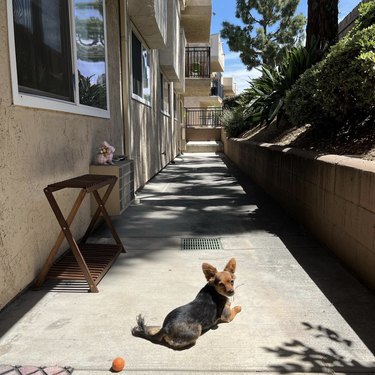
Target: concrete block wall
(334, 196)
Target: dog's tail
(151, 333)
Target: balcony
(216, 88)
(149, 18)
(196, 20)
(213, 98)
(179, 85)
(197, 71)
(203, 117)
(197, 62)
(202, 101)
(217, 54)
(229, 87)
(172, 57)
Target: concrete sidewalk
(302, 311)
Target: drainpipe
(124, 73)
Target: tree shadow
(305, 358)
(352, 299)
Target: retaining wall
(334, 196)
(203, 134)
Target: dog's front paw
(237, 309)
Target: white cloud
(232, 56)
(241, 75)
(234, 67)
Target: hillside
(356, 141)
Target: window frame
(163, 81)
(175, 106)
(53, 104)
(144, 46)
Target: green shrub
(264, 100)
(231, 102)
(340, 88)
(303, 102)
(366, 17)
(234, 122)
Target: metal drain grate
(200, 244)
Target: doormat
(33, 370)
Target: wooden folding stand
(88, 262)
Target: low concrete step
(204, 146)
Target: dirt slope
(357, 141)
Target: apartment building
(76, 73)
(206, 87)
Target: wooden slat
(89, 182)
(88, 262)
(98, 257)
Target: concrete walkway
(302, 311)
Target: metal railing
(205, 117)
(197, 62)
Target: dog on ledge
(183, 325)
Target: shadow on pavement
(353, 300)
(302, 358)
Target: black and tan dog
(183, 325)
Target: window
(175, 104)
(43, 55)
(90, 46)
(52, 70)
(165, 95)
(141, 69)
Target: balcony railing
(203, 117)
(197, 62)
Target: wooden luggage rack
(83, 261)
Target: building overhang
(203, 101)
(217, 54)
(196, 20)
(149, 17)
(197, 86)
(229, 87)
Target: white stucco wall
(153, 136)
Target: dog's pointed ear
(231, 266)
(209, 271)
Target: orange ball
(118, 364)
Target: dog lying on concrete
(183, 325)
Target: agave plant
(263, 101)
(258, 101)
(92, 94)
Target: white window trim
(141, 100)
(175, 106)
(136, 97)
(162, 110)
(36, 101)
(166, 114)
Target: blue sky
(224, 10)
